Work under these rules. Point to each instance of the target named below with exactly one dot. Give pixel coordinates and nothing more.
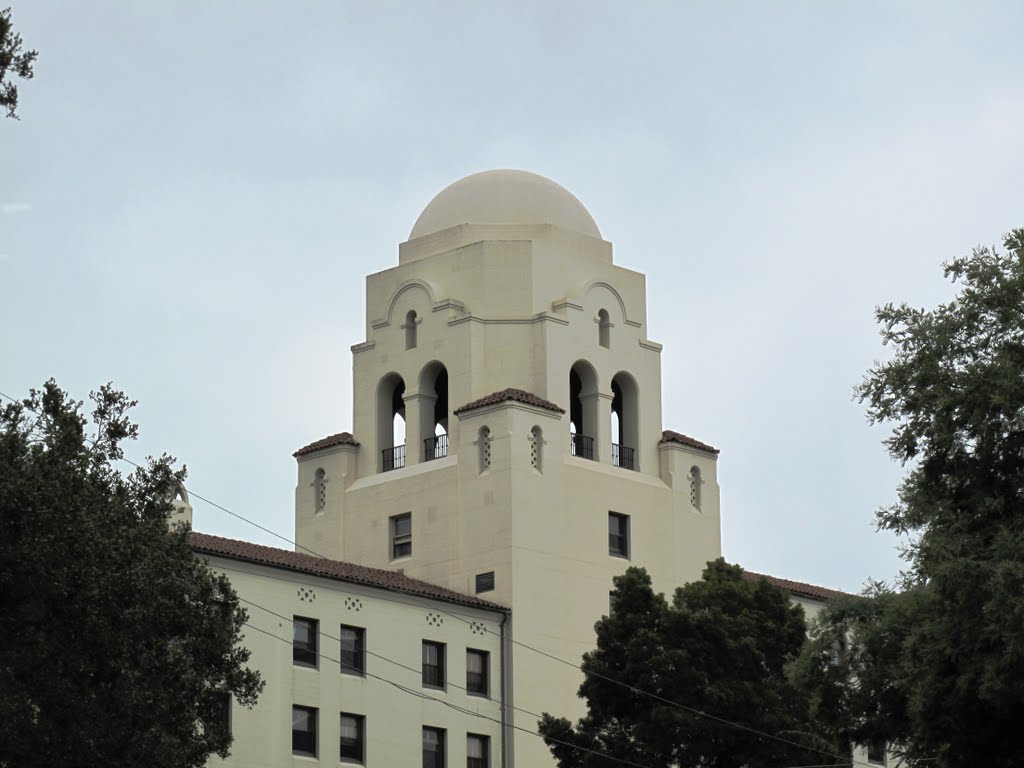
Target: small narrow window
(219, 714)
(320, 489)
(876, 752)
(433, 664)
(433, 747)
(304, 640)
(353, 748)
(695, 487)
(410, 329)
(478, 751)
(477, 663)
(537, 448)
(838, 653)
(401, 536)
(618, 534)
(484, 446)
(604, 327)
(353, 650)
(611, 603)
(485, 582)
(304, 731)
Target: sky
(196, 190)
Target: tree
(118, 647)
(12, 60)
(936, 664)
(721, 647)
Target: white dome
(504, 197)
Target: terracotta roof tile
(342, 438)
(668, 436)
(515, 395)
(233, 549)
(798, 588)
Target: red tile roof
(342, 438)
(668, 436)
(233, 549)
(515, 395)
(798, 588)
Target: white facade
(505, 284)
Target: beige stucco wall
(395, 625)
(514, 306)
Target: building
(507, 438)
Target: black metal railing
(623, 456)
(581, 445)
(435, 447)
(393, 458)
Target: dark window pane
(433, 664)
(618, 534)
(304, 641)
(304, 731)
(433, 748)
(476, 672)
(401, 536)
(352, 650)
(352, 738)
(478, 750)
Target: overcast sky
(196, 190)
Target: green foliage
(722, 646)
(117, 645)
(938, 668)
(13, 60)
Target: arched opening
(483, 443)
(391, 422)
(695, 483)
(433, 408)
(537, 448)
(319, 490)
(583, 414)
(625, 426)
(410, 329)
(604, 329)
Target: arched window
(537, 448)
(695, 484)
(604, 329)
(433, 410)
(319, 490)
(583, 410)
(625, 421)
(391, 422)
(483, 443)
(410, 329)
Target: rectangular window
(477, 663)
(618, 534)
(485, 582)
(304, 731)
(433, 664)
(304, 637)
(353, 744)
(219, 720)
(401, 536)
(433, 747)
(876, 753)
(478, 751)
(353, 650)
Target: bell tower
(506, 434)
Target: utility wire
(578, 667)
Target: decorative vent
(434, 619)
(536, 446)
(306, 595)
(485, 582)
(477, 628)
(353, 603)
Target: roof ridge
(510, 394)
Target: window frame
(439, 668)
(400, 539)
(360, 721)
(359, 669)
(869, 749)
(485, 743)
(437, 759)
(484, 688)
(314, 714)
(619, 545)
(298, 650)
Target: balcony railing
(435, 447)
(393, 458)
(623, 456)
(581, 445)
